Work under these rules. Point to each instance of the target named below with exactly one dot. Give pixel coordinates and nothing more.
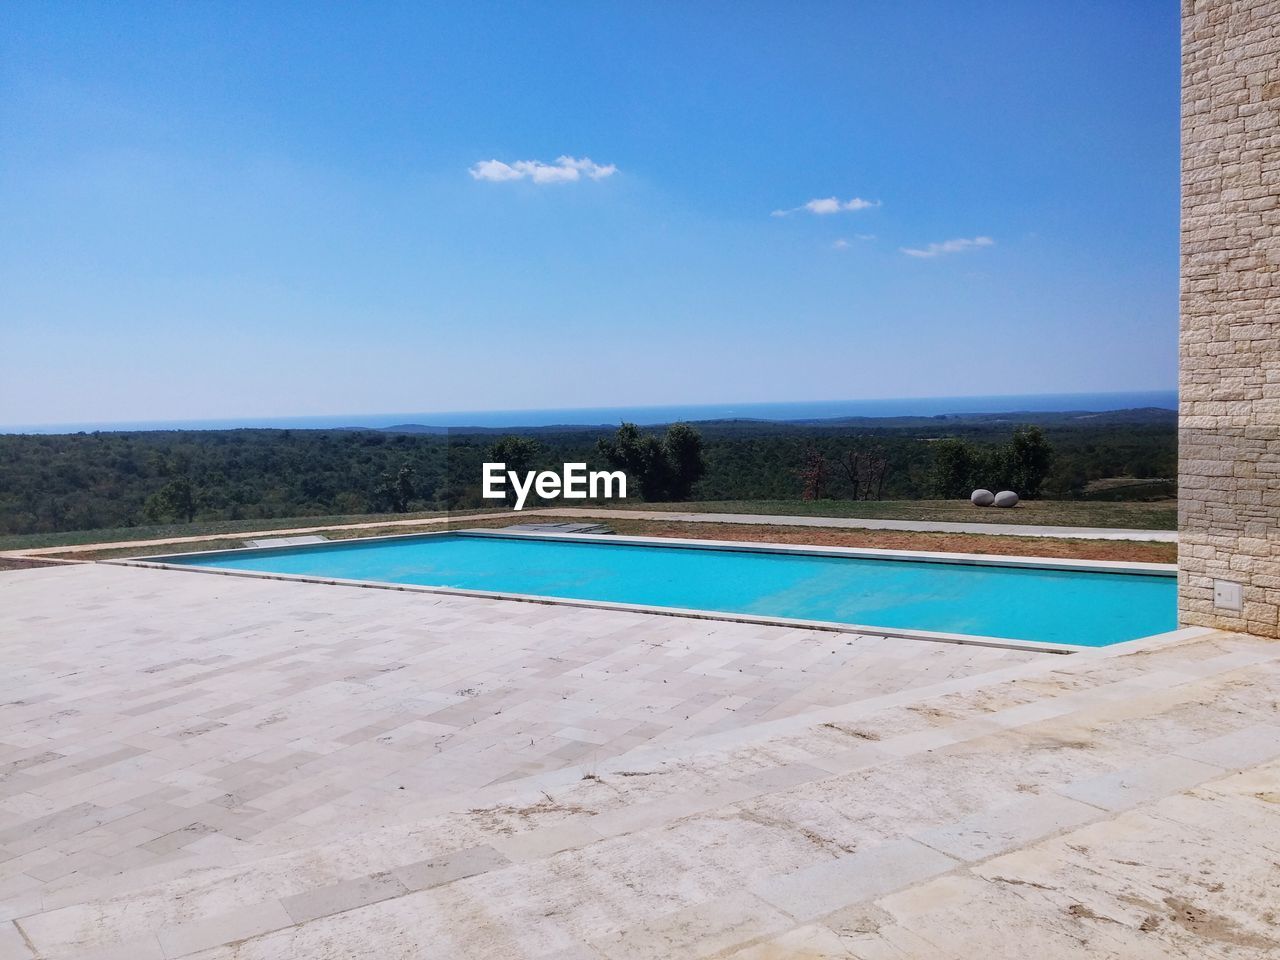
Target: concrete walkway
(859, 523)
(224, 769)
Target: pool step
(562, 527)
(286, 541)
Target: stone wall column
(1229, 427)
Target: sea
(656, 414)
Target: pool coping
(1100, 566)
(869, 553)
(744, 546)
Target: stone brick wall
(1229, 430)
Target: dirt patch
(1212, 926)
(1124, 550)
(507, 819)
(1132, 551)
(1144, 515)
(22, 563)
(933, 714)
(1082, 912)
(851, 732)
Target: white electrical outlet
(1228, 596)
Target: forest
(86, 481)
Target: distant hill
(1147, 416)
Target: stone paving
(153, 715)
(207, 766)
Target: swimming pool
(1057, 603)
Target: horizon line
(399, 418)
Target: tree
(1027, 460)
(65, 482)
(865, 469)
(955, 465)
(637, 455)
(683, 448)
(396, 490)
(813, 474)
(665, 469)
(175, 500)
(519, 454)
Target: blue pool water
(1022, 603)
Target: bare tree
(866, 469)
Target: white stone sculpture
(1006, 498)
(982, 498)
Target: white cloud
(844, 243)
(494, 170)
(827, 205)
(958, 245)
(564, 170)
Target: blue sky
(216, 210)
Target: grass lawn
(1159, 515)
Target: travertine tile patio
(185, 713)
(223, 767)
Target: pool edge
(741, 546)
(1007, 643)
